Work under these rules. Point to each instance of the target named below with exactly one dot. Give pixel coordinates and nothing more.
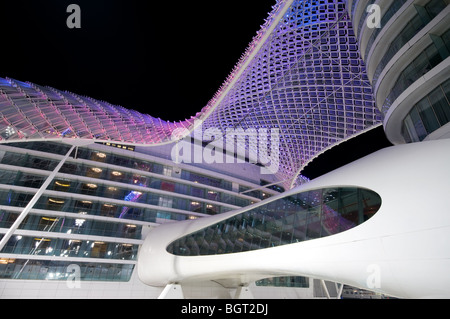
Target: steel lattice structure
(302, 74)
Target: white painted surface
(402, 251)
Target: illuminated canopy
(302, 74)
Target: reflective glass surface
(297, 218)
(422, 64)
(292, 282)
(428, 115)
(23, 245)
(11, 268)
(126, 173)
(391, 11)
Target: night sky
(151, 56)
(166, 59)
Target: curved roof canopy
(302, 75)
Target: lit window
(62, 184)
(56, 201)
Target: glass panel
(446, 88)
(371, 204)
(297, 282)
(440, 105)
(418, 125)
(308, 215)
(60, 270)
(330, 211)
(434, 7)
(427, 115)
(313, 229)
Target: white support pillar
(243, 292)
(172, 291)
(324, 286)
(33, 201)
(339, 294)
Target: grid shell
(307, 80)
(302, 74)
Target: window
(296, 218)
(55, 203)
(427, 60)
(89, 188)
(294, 282)
(165, 201)
(108, 210)
(98, 157)
(116, 176)
(25, 179)
(167, 171)
(440, 105)
(82, 206)
(62, 185)
(47, 223)
(98, 249)
(94, 172)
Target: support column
(33, 201)
(172, 291)
(243, 292)
(339, 294)
(324, 286)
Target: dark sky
(151, 56)
(166, 59)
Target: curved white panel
(401, 251)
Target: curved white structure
(304, 78)
(401, 251)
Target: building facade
(99, 207)
(408, 65)
(385, 233)
(94, 203)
